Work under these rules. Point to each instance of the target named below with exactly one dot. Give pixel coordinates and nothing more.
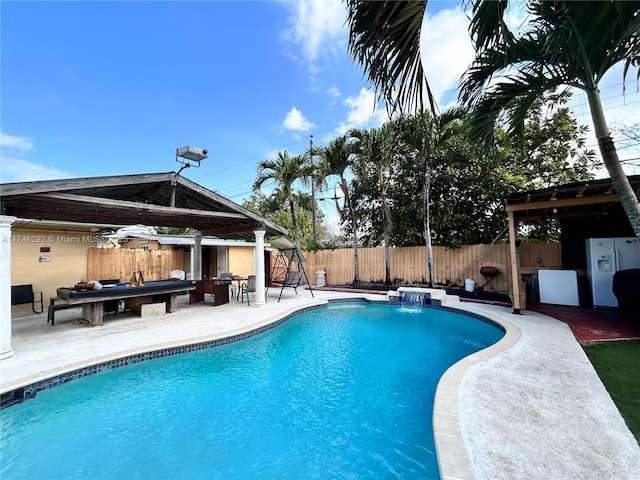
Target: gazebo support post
(515, 265)
(197, 255)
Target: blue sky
(110, 88)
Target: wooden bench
(24, 294)
(53, 308)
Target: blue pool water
(339, 392)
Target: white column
(258, 268)
(192, 266)
(197, 256)
(5, 286)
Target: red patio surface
(592, 324)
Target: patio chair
(249, 287)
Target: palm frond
(515, 97)
(571, 43)
(488, 28)
(384, 38)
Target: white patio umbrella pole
(5, 286)
(258, 264)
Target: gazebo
(155, 199)
(584, 209)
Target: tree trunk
(294, 223)
(352, 218)
(354, 227)
(426, 211)
(611, 161)
(386, 226)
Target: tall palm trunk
(426, 209)
(356, 261)
(294, 222)
(354, 226)
(611, 161)
(386, 226)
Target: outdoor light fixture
(187, 157)
(190, 153)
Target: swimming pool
(342, 391)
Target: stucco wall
(241, 260)
(67, 263)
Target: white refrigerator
(605, 256)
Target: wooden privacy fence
(122, 263)
(408, 264)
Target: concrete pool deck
(529, 407)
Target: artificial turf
(618, 365)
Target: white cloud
(294, 120)
(18, 170)
(333, 92)
(362, 108)
(15, 142)
(446, 51)
(363, 112)
(317, 26)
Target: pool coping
(451, 452)
(451, 449)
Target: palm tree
(425, 135)
(337, 158)
(285, 170)
(570, 43)
(372, 151)
(317, 179)
(573, 43)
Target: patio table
(92, 301)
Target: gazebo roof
(132, 200)
(582, 199)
